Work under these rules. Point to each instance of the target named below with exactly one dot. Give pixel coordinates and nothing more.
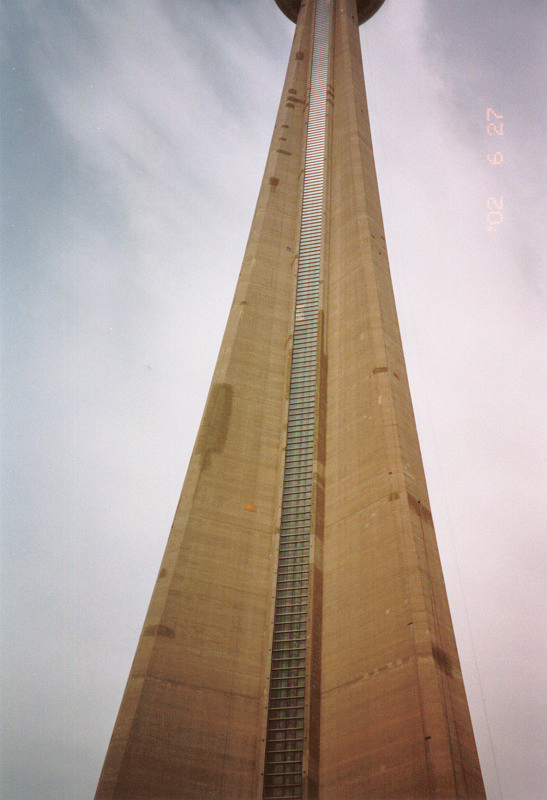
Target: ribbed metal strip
(285, 729)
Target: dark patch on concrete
(419, 508)
(443, 660)
(216, 420)
(159, 630)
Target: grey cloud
(132, 172)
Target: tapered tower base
(298, 643)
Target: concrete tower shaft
(298, 642)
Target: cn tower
(298, 642)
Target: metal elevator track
(283, 768)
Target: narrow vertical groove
(284, 753)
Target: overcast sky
(134, 138)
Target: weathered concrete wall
(393, 716)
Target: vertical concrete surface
(385, 709)
(394, 716)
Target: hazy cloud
(134, 137)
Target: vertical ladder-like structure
(293, 702)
